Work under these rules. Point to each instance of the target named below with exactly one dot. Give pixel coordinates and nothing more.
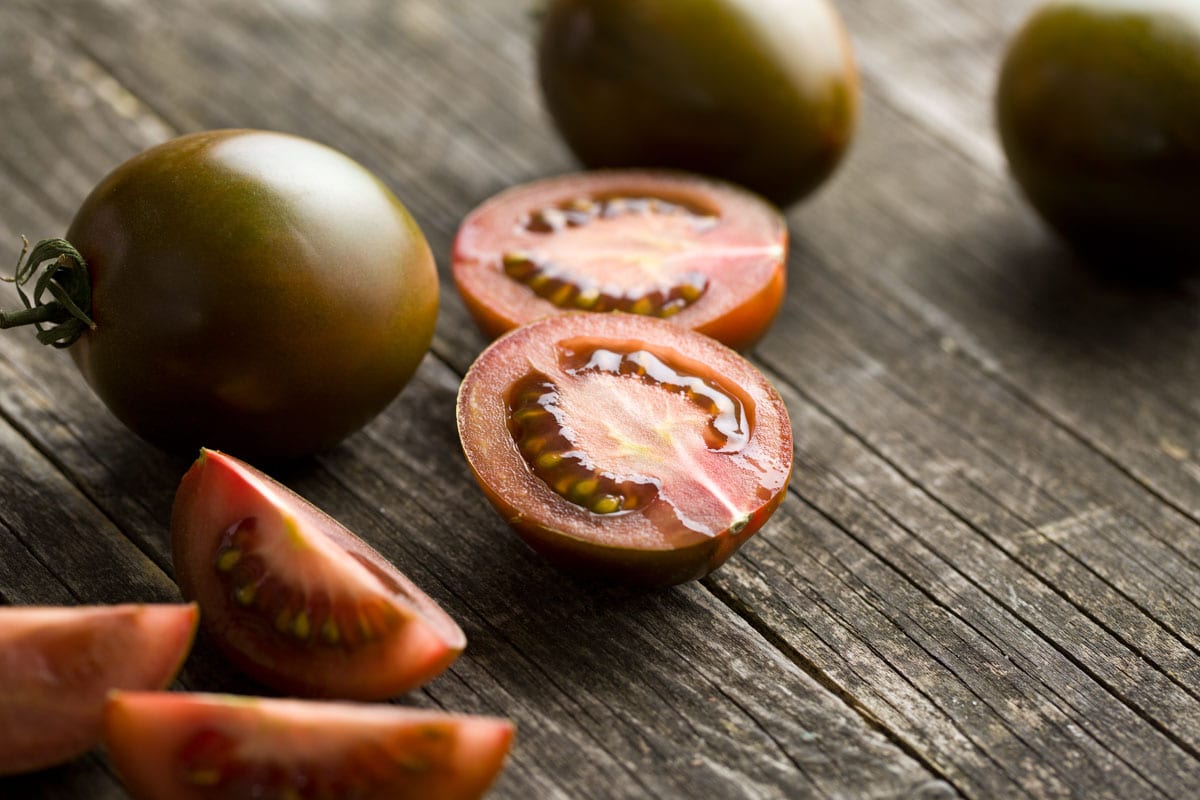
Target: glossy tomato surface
(212, 747)
(295, 599)
(57, 665)
(252, 291)
(1098, 107)
(704, 254)
(625, 448)
(759, 92)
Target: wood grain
(984, 581)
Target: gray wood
(984, 579)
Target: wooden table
(985, 580)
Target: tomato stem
(64, 316)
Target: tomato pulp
(623, 447)
(213, 747)
(701, 253)
(58, 664)
(252, 291)
(293, 598)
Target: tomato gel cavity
(624, 447)
(704, 254)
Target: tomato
(293, 598)
(203, 747)
(759, 92)
(58, 664)
(252, 291)
(625, 448)
(704, 254)
(1098, 108)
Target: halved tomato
(704, 254)
(293, 598)
(202, 747)
(625, 447)
(58, 663)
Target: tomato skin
(251, 290)
(58, 664)
(1098, 109)
(763, 94)
(303, 549)
(162, 745)
(628, 548)
(745, 291)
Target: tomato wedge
(624, 447)
(293, 598)
(58, 663)
(704, 254)
(204, 747)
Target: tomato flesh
(201, 747)
(703, 254)
(293, 598)
(624, 447)
(58, 664)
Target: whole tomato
(1098, 108)
(249, 290)
(759, 92)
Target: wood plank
(601, 707)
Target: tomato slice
(624, 447)
(57, 665)
(293, 598)
(704, 254)
(203, 747)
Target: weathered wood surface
(985, 580)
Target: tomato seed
(535, 427)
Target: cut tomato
(625, 447)
(205, 747)
(57, 665)
(704, 254)
(295, 599)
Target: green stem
(64, 315)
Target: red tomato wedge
(624, 447)
(173, 746)
(57, 665)
(293, 598)
(704, 254)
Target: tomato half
(701, 253)
(1098, 108)
(251, 291)
(58, 664)
(624, 447)
(295, 599)
(210, 747)
(763, 93)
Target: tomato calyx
(66, 279)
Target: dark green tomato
(1098, 108)
(759, 92)
(252, 291)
